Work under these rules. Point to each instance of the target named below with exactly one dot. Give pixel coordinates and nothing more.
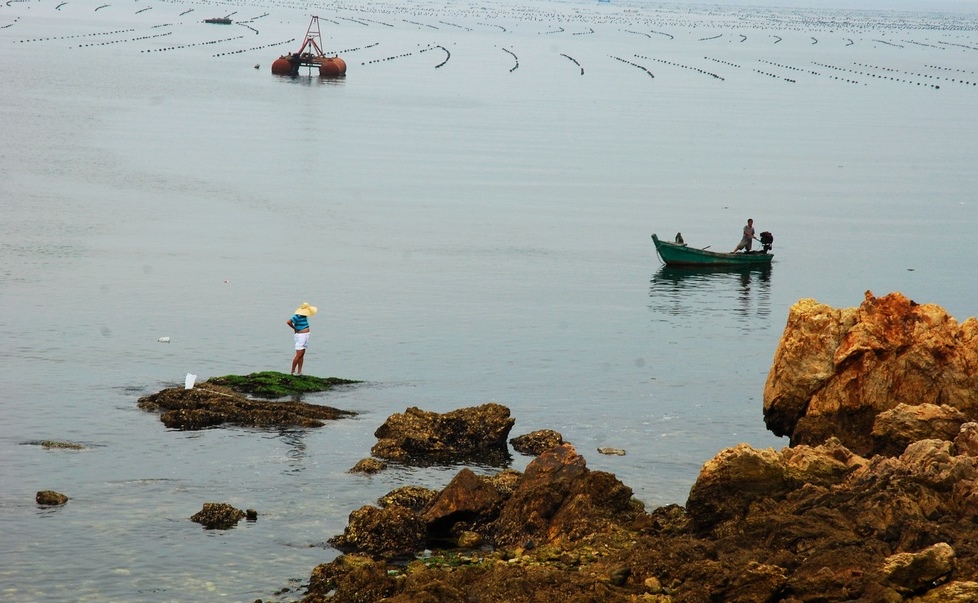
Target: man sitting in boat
(747, 239)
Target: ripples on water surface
(475, 231)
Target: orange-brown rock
(835, 371)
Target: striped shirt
(300, 322)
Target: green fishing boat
(681, 255)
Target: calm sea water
(472, 232)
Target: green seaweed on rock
(273, 384)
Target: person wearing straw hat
(300, 324)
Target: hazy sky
(970, 6)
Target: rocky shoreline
(875, 500)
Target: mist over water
(470, 208)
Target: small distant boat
(218, 20)
(681, 255)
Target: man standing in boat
(748, 238)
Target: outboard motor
(767, 241)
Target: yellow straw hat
(306, 310)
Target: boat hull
(682, 256)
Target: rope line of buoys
(923, 75)
(230, 52)
(662, 33)
(143, 10)
(515, 58)
(182, 46)
(88, 35)
(390, 58)
(672, 64)
(775, 76)
(584, 33)
(958, 45)
(420, 24)
(952, 69)
(352, 20)
(379, 23)
(636, 65)
(639, 33)
(448, 55)
(554, 31)
(186, 12)
(789, 67)
(923, 44)
(888, 43)
(722, 61)
(876, 76)
(491, 25)
(139, 39)
(573, 60)
(98, 8)
(710, 38)
(455, 25)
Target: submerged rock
(475, 434)
(50, 498)
(210, 405)
(59, 445)
(220, 516)
(536, 442)
(368, 466)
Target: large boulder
(390, 531)
(560, 499)
(467, 434)
(835, 371)
(731, 482)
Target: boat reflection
(743, 292)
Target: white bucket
(189, 382)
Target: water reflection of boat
(695, 293)
(672, 274)
(680, 254)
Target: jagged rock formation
(838, 372)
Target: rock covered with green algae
(272, 384)
(222, 400)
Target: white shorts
(301, 341)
